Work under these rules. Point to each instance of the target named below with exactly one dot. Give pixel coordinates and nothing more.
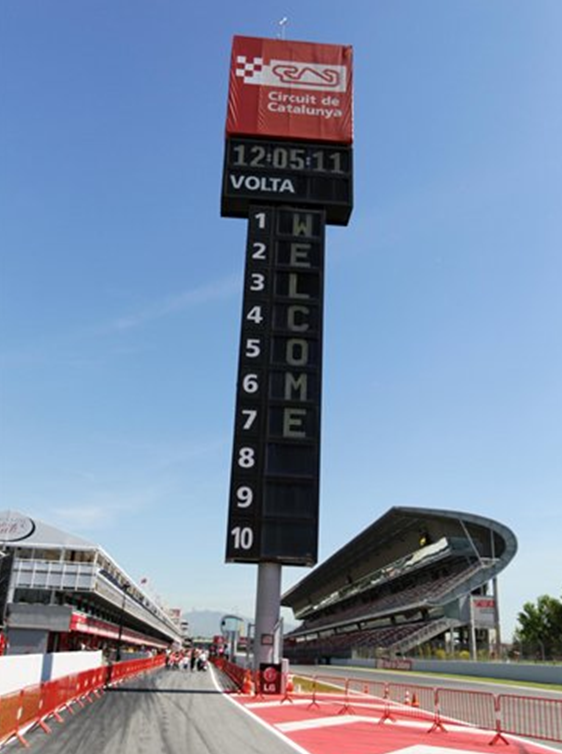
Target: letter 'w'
(302, 225)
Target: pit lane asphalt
(165, 712)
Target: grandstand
(60, 592)
(414, 576)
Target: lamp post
(125, 587)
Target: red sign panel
(290, 90)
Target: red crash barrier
(247, 681)
(123, 670)
(233, 671)
(35, 704)
(10, 706)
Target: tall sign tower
(288, 170)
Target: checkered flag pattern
(248, 69)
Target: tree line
(538, 633)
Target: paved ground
(166, 712)
(178, 712)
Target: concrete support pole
(498, 648)
(268, 610)
(472, 632)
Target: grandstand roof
(93, 577)
(398, 533)
(27, 532)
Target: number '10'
(243, 537)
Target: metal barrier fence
(533, 717)
(34, 705)
(473, 707)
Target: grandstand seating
(403, 581)
(323, 634)
(378, 603)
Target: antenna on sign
(282, 24)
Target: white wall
(19, 671)
(65, 663)
(515, 671)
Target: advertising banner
(484, 612)
(290, 90)
(271, 677)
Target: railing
(35, 705)
(456, 580)
(440, 708)
(528, 716)
(107, 590)
(534, 717)
(53, 574)
(426, 631)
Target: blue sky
(121, 285)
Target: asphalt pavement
(165, 712)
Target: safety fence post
(437, 722)
(20, 715)
(313, 703)
(346, 708)
(387, 714)
(289, 688)
(42, 713)
(499, 735)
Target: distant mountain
(207, 623)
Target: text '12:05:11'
(280, 157)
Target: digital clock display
(317, 176)
(279, 156)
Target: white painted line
(323, 722)
(270, 728)
(428, 749)
(276, 703)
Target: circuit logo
(289, 74)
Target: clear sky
(121, 285)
